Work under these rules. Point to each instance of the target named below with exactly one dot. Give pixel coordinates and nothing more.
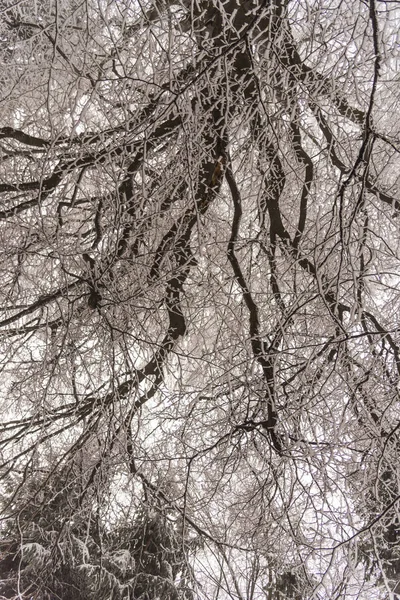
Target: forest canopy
(200, 299)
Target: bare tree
(200, 282)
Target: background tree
(199, 232)
(64, 543)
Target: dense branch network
(199, 222)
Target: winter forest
(200, 299)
